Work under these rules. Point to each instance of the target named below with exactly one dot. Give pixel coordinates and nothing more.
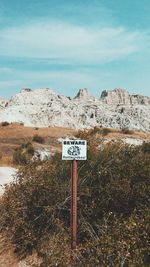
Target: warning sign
(74, 149)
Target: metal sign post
(73, 210)
(74, 150)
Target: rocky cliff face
(43, 107)
(84, 95)
(115, 97)
(122, 97)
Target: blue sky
(67, 45)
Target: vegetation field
(113, 208)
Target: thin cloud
(5, 70)
(70, 43)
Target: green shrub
(37, 138)
(146, 147)
(23, 154)
(29, 148)
(19, 158)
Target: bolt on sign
(74, 150)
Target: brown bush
(5, 123)
(126, 131)
(105, 131)
(37, 138)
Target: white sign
(74, 149)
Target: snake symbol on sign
(74, 151)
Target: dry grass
(6, 161)
(19, 131)
(137, 135)
(14, 135)
(118, 134)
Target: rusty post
(73, 210)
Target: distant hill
(43, 108)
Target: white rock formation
(133, 141)
(115, 97)
(3, 102)
(120, 96)
(42, 154)
(83, 95)
(43, 107)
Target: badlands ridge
(43, 108)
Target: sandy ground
(6, 176)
